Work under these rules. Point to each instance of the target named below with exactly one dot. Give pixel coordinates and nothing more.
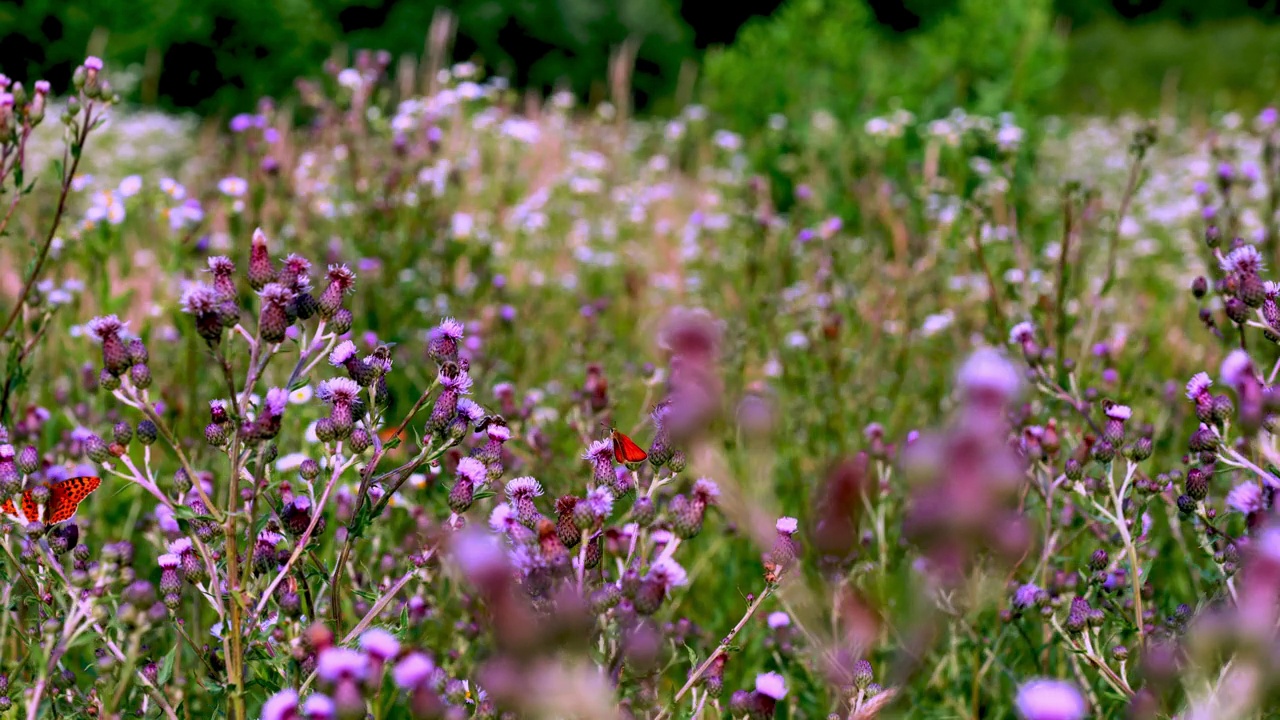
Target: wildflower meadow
(416, 396)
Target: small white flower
(301, 395)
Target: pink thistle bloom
(337, 663)
(1047, 699)
(771, 684)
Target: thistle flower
(281, 706)
(785, 548)
(345, 356)
(454, 382)
(1046, 699)
(443, 344)
(1113, 431)
(295, 273)
(115, 355)
(379, 644)
(341, 283)
(686, 517)
(170, 581)
(203, 302)
(322, 707)
(568, 526)
(771, 685)
(663, 576)
(341, 394)
(274, 320)
(336, 664)
(600, 454)
(705, 492)
(1246, 498)
(520, 493)
(260, 270)
(413, 671)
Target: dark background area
(219, 56)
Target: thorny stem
(720, 650)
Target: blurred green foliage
(987, 55)
(220, 56)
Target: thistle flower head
(599, 451)
(341, 278)
(706, 491)
(1246, 498)
(1021, 333)
(475, 471)
(413, 671)
(339, 391)
(503, 518)
(523, 488)
(319, 707)
(451, 328)
(296, 272)
(1236, 367)
(498, 432)
(470, 409)
(778, 619)
(1245, 260)
(169, 560)
(276, 295)
(221, 266)
(276, 400)
(787, 525)
(1047, 699)
(1025, 596)
(281, 706)
(380, 644)
(106, 326)
(338, 663)
(669, 573)
(342, 353)
(199, 299)
(1198, 385)
(1119, 412)
(458, 381)
(988, 371)
(180, 546)
(600, 502)
(771, 684)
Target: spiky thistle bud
(341, 321)
(260, 271)
(205, 303)
(216, 435)
(686, 517)
(566, 521)
(115, 355)
(148, 433)
(140, 376)
(360, 440)
(443, 345)
(138, 354)
(122, 433)
(341, 283)
(28, 460)
(273, 320)
(96, 449)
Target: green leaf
(166, 667)
(392, 444)
(300, 382)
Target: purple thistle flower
(115, 355)
(379, 644)
(599, 502)
(336, 664)
(413, 671)
(295, 273)
(342, 353)
(522, 488)
(341, 283)
(459, 382)
(1246, 498)
(471, 410)
(319, 707)
(474, 471)
(706, 491)
(276, 401)
(281, 706)
(787, 525)
(443, 343)
(772, 685)
(1025, 596)
(1047, 699)
(668, 573)
(1245, 260)
(1236, 367)
(274, 320)
(599, 451)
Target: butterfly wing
(66, 496)
(30, 508)
(8, 508)
(625, 451)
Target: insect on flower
(625, 450)
(63, 499)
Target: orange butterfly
(64, 498)
(625, 451)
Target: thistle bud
(96, 449)
(122, 433)
(140, 375)
(108, 382)
(28, 460)
(216, 435)
(309, 469)
(148, 433)
(1199, 287)
(643, 511)
(360, 440)
(461, 495)
(341, 283)
(341, 321)
(260, 271)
